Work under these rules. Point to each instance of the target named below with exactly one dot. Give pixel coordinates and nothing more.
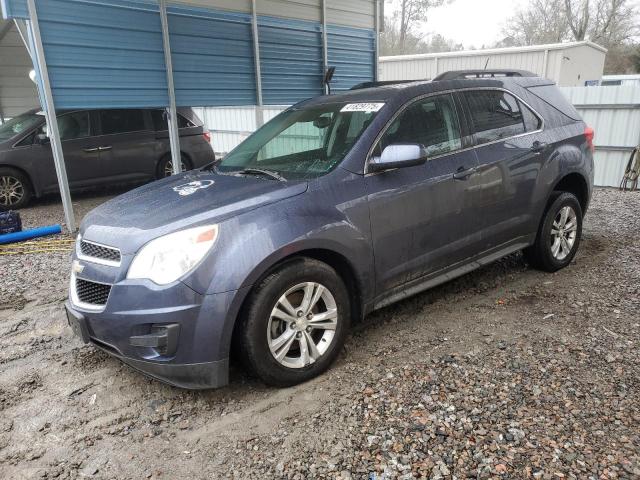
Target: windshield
(302, 143)
(19, 124)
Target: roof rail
(469, 74)
(382, 83)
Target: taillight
(207, 136)
(588, 135)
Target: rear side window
(496, 115)
(432, 123)
(554, 97)
(160, 121)
(122, 121)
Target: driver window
(431, 122)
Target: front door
(421, 217)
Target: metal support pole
(376, 62)
(325, 47)
(50, 114)
(256, 59)
(172, 118)
(21, 26)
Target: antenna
(487, 63)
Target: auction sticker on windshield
(362, 107)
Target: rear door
(510, 155)
(421, 219)
(128, 146)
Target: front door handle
(464, 173)
(104, 149)
(90, 150)
(538, 147)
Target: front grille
(93, 250)
(91, 292)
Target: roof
(495, 51)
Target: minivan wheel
(165, 167)
(15, 188)
(559, 234)
(295, 323)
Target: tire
(165, 164)
(15, 189)
(288, 333)
(550, 252)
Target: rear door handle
(90, 150)
(104, 149)
(464, 173)
(538, 147)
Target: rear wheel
(559, 234)
(295, 323)
(165, 167)
(15, 188)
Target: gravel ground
(504, 373)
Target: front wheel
(558, 235)
(295, 323)
(15, 189)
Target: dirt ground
(504, 373)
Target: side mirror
(42, 139)
(398, 155)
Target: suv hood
(177, 202)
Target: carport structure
(143, 54)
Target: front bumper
(171, 333)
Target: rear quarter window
(553, 97)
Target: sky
(472, 22)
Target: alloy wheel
(302, 325)
(564, 232)
(11, 190)
(168, 168)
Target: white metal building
(568, 64)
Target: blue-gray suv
(340, 205)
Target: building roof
(495, 51)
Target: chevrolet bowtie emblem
(77, 267)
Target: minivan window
(495, 115)
(160, 122)
(73, 125)
(122, 121)
(20, 124)
(432, 123)
(303, 142)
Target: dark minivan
(101, 147)
(338, 206)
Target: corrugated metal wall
(614, 114)
(352, 51)
(290, 60)
(110, 53)
(212, 53)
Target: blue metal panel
(352, 52)
(212, 56)
(290, 60)
(14, 9)
(103, 54)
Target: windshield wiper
(260, 171)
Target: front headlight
(166, 259)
